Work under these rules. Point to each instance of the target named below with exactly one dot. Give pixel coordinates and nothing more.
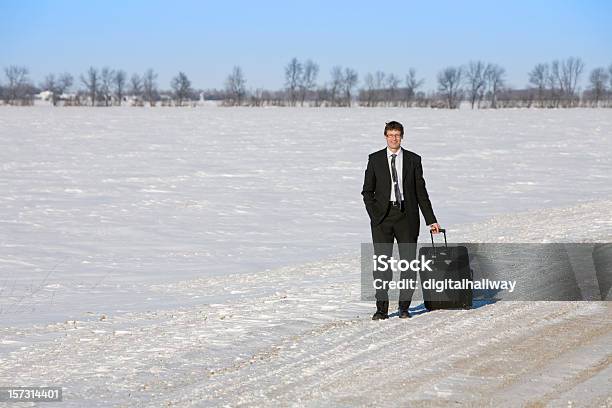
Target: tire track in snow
(339, 370)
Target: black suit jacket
(377, 189)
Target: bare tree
(566, 74)
(539, 77)
(57, 85)
(495, 79)
(554, 85)
(92, 84)
(235, 85)
(393, 83)
(449, 85)
(293, 78)
(337, 81)
(369, 89)
(17, 83)
(50, 84)
(149, 86)
(135, 88)
(309, 79)
(380, 78)
(412, 84)
(119, 80)
(350, 82)
(575, 67)
(107, 76)
(557, 85)
(599, 80)
(475, 78)
(571, 69)
(65, 82)
(181, 85)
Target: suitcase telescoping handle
(442, 230)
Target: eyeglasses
(393, 136)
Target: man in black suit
(393, 191)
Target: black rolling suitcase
(448, 263)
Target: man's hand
(435, 228)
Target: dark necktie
(396, 187)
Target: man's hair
(393, 125)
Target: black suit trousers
(394, 227)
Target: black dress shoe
(380, 316)
(403, 305)
(382, 306)
(404, 314)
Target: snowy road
(299, 336)
(305, 349)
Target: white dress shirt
(398, 168)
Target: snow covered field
(200, 256)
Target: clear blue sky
(205, 39)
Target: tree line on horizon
(480, 84)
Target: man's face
(394, 139)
